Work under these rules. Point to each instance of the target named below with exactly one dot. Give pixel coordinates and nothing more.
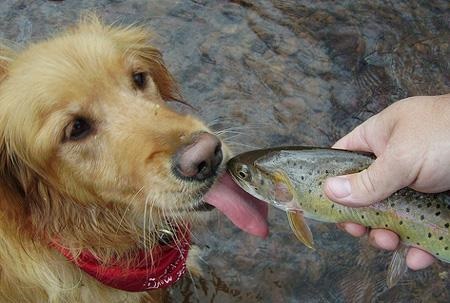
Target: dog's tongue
(245, 211)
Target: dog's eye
(78, 129)
(140, 80)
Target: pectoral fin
(300, 228)
(397, 268)
(285, 193)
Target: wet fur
(109, 192)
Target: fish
(291, 178)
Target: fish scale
(419, 219)
(292, 178)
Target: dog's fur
(108, 191)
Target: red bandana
(158, 268)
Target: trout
(292, 178)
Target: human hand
(411, 139)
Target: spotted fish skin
(421, 220)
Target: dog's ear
(23, 191)
(12, 172)
(135, 41)
(161, 76)
(5, 161)
(12, 178)
(6, 57)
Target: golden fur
(107, 192)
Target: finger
(353, 229)
(373, 184)
(384, 239)
(354, 140)
(417, 259)
(340, 226)
(370, 136)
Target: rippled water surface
(283, 72)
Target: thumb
(373, 184)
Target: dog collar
(160, 267)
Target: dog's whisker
(183, 224)
(152, 230)
(230, 138)
(127, 208)
(219, 121)
(232, 141)
(225, 131)
(247, 126)
(238, 144)
(144, 230)
(231, 134)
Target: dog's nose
(200, 159)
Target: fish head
(265, 184)
(250, 178)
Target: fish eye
(244, 172)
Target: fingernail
(339, 187)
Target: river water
(281, 73)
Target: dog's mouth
(245, 211)
(203, 206)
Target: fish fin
(300, 228)
(281, 177)
(397, 268)
(284, 190)
(295, 217)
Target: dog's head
(85, 114)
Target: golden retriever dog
(100, 180)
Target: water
(283, 72)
